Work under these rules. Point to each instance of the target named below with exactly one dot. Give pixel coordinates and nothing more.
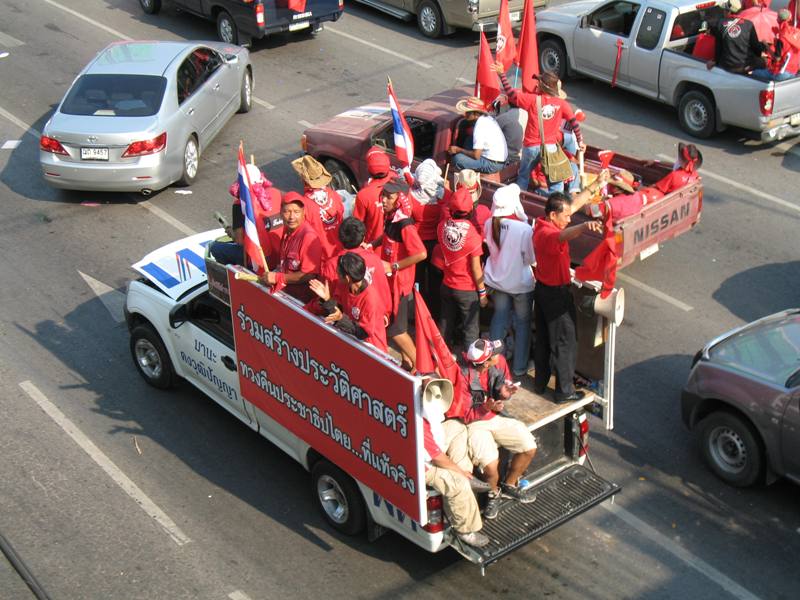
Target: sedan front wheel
(732, 449)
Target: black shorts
(400, 323)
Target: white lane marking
(112, 299)
(611, 136)
(20, 123)
(8, 41)
(378, 47)
(722, 580)
(654, 292)
(305, 123)
(238, 595)
(11, 144)
(97, 455)
(744, 188)
(167, 217)
(263, 103)
(82, 17)
(465, 80)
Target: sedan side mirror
(231, 59)
(584, 21)
(178, 315)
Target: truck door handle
(229, 363)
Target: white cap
(254, 173)
(505, 202)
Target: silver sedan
(137, 118)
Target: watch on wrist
(395, 267)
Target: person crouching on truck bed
(351, 237)
(489, 386)
(738, 47)
(401, 250)
(267, 207)
(448, 468)
(300, 251)
(368, 206)
(554, 308)
(324, 208)
(462, 292)
(355, 306)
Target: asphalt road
(244, 510)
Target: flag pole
(478, 62)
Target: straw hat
(624, 180)
(471, 180)
(471, 104)
(311, 171)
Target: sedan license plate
(514, 16)
(794, 120)
(298, 26)
(94, 153)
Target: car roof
(137, 57)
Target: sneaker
(492, 505)
(474, 538)
(520, 495)
(479, 485)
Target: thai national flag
(252, 247)
(403, 142)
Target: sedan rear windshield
(115, 95)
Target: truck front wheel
(151, 7)
(697, 114)
(151, 357)
(731, 449)
(340, 176)
(338, 498)
(553, 58)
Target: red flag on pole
(487, 83)
(505, 48)
(601, 263)
(528, 49)
(296, 5)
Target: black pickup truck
(241, 21)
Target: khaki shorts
(485, 437)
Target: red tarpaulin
(764, 20)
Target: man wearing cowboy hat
(324, 208)
(489, 150)
(448, 468)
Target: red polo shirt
(552, 254)
(325, 212)
(367, 309)
(375, 276)
(369, 208)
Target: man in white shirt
(489, 150)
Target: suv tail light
(766, 99)
(304, 143)
(260, 14)
(435, 520)
(49, 144)
(341, 4)
(157, 144)
(583, 434)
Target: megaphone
(438, 391)
(612, 307)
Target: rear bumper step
(565, 496)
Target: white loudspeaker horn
(611, 307)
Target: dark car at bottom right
(743, 401)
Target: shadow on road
(761, 291)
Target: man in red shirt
(300, 251)
(360, 309)
(401, 250)
(368, 206)
(324, 208)
(553, 306)
(462, 292)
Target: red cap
(292, 196)
(461, 200)
(378, 161)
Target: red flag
(296, 5)
(601, 263)
(487, 83)
(434, 355)
(528, 49)
(505, 47)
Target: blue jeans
(514, 310)
(227, 253)
(571, 146)
(527, 162)
(481, 165)
(765, 75)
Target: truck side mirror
(178, 315)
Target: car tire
(341, 179)
(226, 28)
(553, 58)
(151, 7)
(732, 449)
(246, 93)
(191, 162)
(338, 498)
(151, 357)
(429, 19)
(697, 114)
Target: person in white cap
(448, 468)
(489, 386)
(508, 272)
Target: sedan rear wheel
(191, 162)
(731, 449)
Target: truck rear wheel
(151, 7)
(151, 357)
(338, 498)
(429, 19)
(553, 58)
(226, 28)
(697, 114)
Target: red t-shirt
(301, 251)
(325, 212)
(369, 208)
(675, 180)
(376, 275)
(481, 413)
(460, 242)
(367, 309)
(552, 255)
(395, 250)
(554, 112)
(426, 217)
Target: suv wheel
(697, 114)
(553, 58)
(731, 449)
(226, 28)
(338, 498)
(429, 19)
(151, 7)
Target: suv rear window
(115, 95)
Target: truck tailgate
(787, 99)
(558, 499)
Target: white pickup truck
(348, 413)
(657, 38)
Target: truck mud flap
(559, 499)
